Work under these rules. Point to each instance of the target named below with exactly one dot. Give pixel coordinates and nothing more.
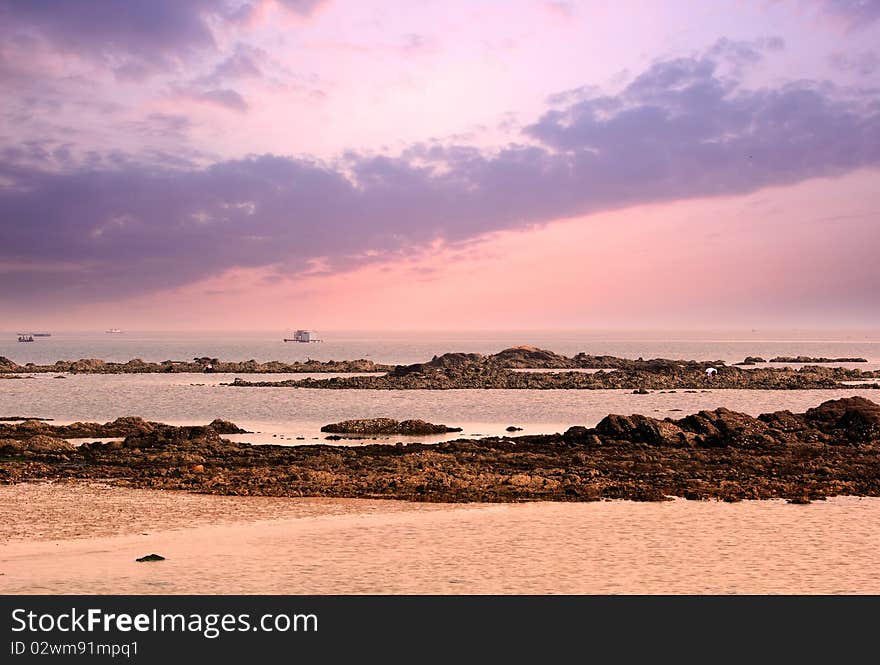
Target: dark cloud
(865, 63)
(302, 7)
(243, 63)
(223, 97)
(135, 38)
(855, 13)
(678, 130)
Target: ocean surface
(74, 538)
(398, 347)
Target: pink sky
(440, 165)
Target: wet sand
(83, 538)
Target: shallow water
(280, 415)
(84, 539)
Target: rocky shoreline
(832, 449)
(196, 365)
(504, 370)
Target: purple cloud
(855, 13)
(147, 33)
(223, 97)
(679, 130)
(242, 64)
(135, 38)
(302, 7)
(865, 63)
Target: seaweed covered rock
(847, 420)
(36, 444)
(387, 426)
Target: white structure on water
(303, 336)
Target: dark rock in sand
(640, 391)
(151, 557)
(387, 426)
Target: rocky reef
(809, 359)
(832, 449)
(387, 426)
(507, 369)
(751, 360)
(121, 427)
(504, 370)
(196, 365)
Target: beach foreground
(84, 538)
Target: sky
(256, 164)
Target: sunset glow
(238, 164)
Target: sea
(61, 538)
(292, 416)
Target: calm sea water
(410, 347)
(280, 415)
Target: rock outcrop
(751, 360)
(121, 427)
(39, 443)
(809, 359)
(832, 449)
(532, 357)
(197, 365)
(387, 426)
(473, 371)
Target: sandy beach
(84, 538)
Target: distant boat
(304, 336)
(114, 331)
(25, 338)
